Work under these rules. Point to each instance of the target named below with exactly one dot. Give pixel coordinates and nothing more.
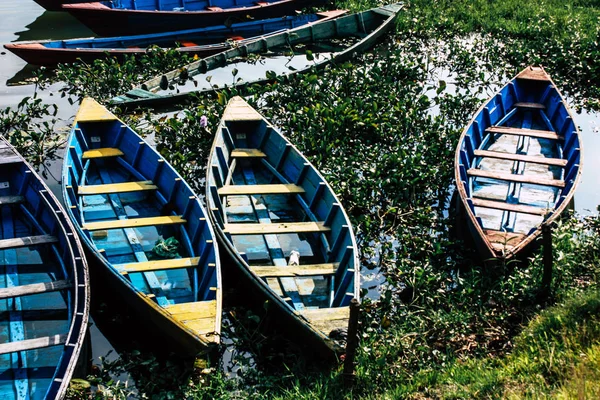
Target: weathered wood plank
(34, 288)
(519, 208)
(280, 228)
(201, 325)
(195, 310)
(533, 106)
(27, 241)
(32, 344)
(7, 156)
(536, 133)
(557, 162)
(293, 271)
(326, 313)
(7, 200)
(158, 265)
(102, 153)
(134, 223)
(247, 153)
(504, 238)
(534, 73)
(113, 188)
(516, 178)
(239, 110)
(237, 190)
(91, 111)
(327, 319)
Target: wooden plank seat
(104, 152)
(533, 106)
(158, 265)
(557, 162)
(34, 288)
(113, 188)
(295, 270)
(277, 228)
(8, 200)
(247, 153)
(236, 190)
(536, 133)
(516, 178)
(134, 223)
(32, 344)
(518, 208)
(212, 8)
(27, 241)
(327, 319)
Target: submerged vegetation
(383, 129)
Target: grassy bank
(383, 129)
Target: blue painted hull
(282, 224)
(201, 42)
(517, 164)
(44, 288)
(146, 228)
(147, 18)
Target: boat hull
(135, 22)
(44, 289)
(213, 40)
(517, 165)
(369, 26)
(130, 206)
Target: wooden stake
(351, 344)
(547, 258)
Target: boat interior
(281, 217)
(519, 160)
(140, 216)
(37, 295)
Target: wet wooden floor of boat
(30, 313)
(273, 249)
(519, 221)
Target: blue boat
(134, 17)
(517, 164)
(44, 288)
(201, 42)
(146, 229)
(283, 225)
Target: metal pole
(351, 344)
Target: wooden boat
(134, 17)
(201, 42)
(145, 228)
(282, 224)
(517, 164)
(44, 288)
(366, 27)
